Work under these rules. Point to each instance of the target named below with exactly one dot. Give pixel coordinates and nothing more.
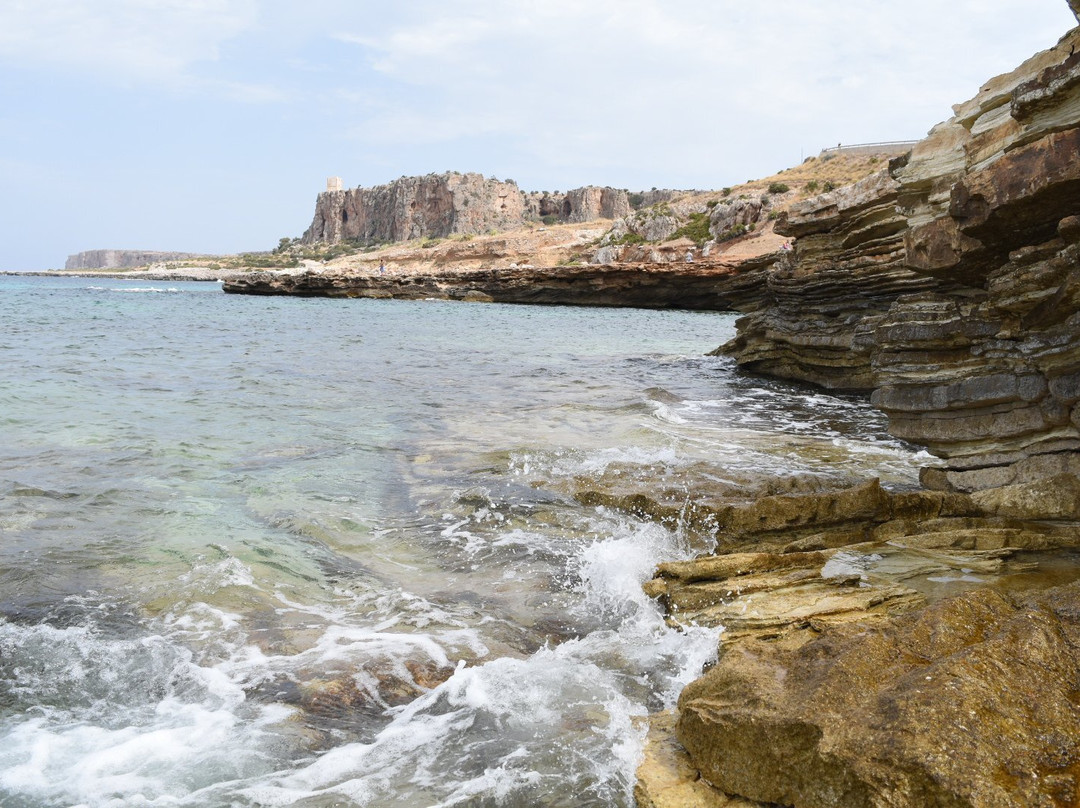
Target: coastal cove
(471, 495)
(266, 551)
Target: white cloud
(682, 84)
(135, 40)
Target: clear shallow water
(264, 551)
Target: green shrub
(828, 186)
(636, 200)
(629, 237)
(778, 188)
(712, 203)
(811, 186)
(733, 232)
(697, 229)
(550, 219)
(268, 260)
(726, 192)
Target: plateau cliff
(439, 205)
(100, 259)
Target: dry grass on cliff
(560, 244)
(816, 174)
(537, 245)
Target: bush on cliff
(733, 232)
(697, 229)
(629, 237)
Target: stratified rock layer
(948, 284)
(970, 702)
(709, 287)
(826, 295)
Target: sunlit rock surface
(968, 703)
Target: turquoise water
(267, 551)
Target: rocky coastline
(697, 286)
(881, 647)
(857, 668)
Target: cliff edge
(947, 285)
(440, 205)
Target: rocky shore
(880, 647)
(696, 286)
(907, 648)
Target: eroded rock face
(439, 205)
(947, 283)
(416, 207)
(968, 703)
(836, 681)
(695, 287)
(825, 295)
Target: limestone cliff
(439, 205)
(100, 259)
(948, 284)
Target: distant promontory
(119, 259)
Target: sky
(211, 125)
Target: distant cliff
(439, 205)
(113, 259)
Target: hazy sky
(211, 125)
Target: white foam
(501, 728)
(122, 721)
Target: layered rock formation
(947, 283)
(864, 661)
(827, 294)
(707, 287)
(438, 205)
(114, 259)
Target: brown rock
(1056, 497)
(968, 703)
(666, 779)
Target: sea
(269, 551)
